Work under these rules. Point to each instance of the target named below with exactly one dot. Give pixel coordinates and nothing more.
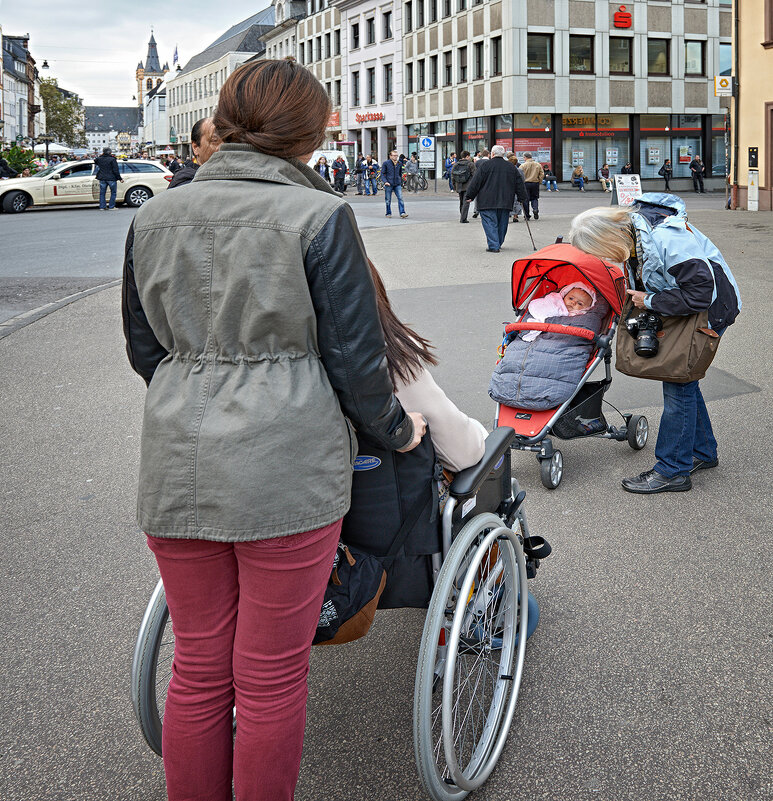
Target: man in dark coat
(339, 175)
(6, 171)
(175, 165)
(495, 184)
(204, 142)
(107, 175)
(698, 170)
(461, 175)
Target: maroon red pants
(244, 615)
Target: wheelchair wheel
(470, 660)
(152, 667)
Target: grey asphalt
(648, 678)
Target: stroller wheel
(638, 431)
(552, 470)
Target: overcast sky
(93, 48)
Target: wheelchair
(473, 646)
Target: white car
(75, 182)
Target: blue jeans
(371, 182)
(578, 182)
(495, 222)
(103, 191)
(398, 190)
(550, 184)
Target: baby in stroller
(540, 369)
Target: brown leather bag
(687, 348)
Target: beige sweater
(458, 439)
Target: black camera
(644, 329)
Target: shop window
(718, 154)
(388, 89)
(387, 19)
(462, 64)
(409, 78)
(503, 131)
(448, 68)
(539, 52)
(356, 88)
(433, 72)
(371, 85)
(658, 57)
(620, 55)
(581, 54)
(496, 55)
(694, 58)
(370, 31)
(478, 48)
(355, 35)
(683, 151)
(421, 75)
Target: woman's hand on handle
(419, 430)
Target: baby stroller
(535, 276)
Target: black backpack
(461, 172)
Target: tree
(64, 114)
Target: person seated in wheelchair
(540, 370)
(390, 492)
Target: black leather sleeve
(474, 186)
(693, 293)
(143, 349)
(349, 334)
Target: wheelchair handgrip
(552, 328)
(467, 482)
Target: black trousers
(697, 178)
(532, 193)
(464, 207)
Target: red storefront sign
(622, 18)
(334, 120)
(371, 116)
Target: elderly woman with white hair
(674, 270)
(495, 185)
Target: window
(419, 13)
(355, 35)
(496, 55)
(355, 88)
(433, 10)
(408, 78)
(328, 46)
(694, 61)
(447, 8)
(408, 16)
(144, 167)
(539, 52)
(337, 95)
(478, 47)
(448, 68)
(581, 54)
(620, 60)
(329, 90)
(337, 42)
(388, 82)
(78, 171)
(318, 48)
(309, 55)
(657, 57)
(387, 20)
(462, 5)
(462, 64)
(433, 72)
(370, 31)
(477, 2)
(371, 85)
(421, 68)
(725, 58)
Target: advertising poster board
(685, 154)
(539, 149)
(627, 189)
(578, 158)
(653, 155)
(612, 156)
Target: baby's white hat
(579, 285)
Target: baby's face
(577, 299)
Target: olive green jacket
(248, 306)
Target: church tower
(151, 73)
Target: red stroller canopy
(557, 266)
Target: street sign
(627, 190)
(427, 152)
(19, 138)
(723, 86)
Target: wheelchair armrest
(467, 482)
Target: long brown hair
(405, 349)
(278, 107)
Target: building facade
(193, 90)
(151, 73)
(752, 110)
(281, 40)
(577, 82)
(155, 128)
(18, 91)
(320, 46)
(104, 124)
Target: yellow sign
(723, 86)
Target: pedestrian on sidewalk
(392, 176)
(322, 168)
(627, 169)
(494, 185)
(532, 176)
(698, 170)
(549, 181)
(370, 168)
(604, 180)
(413, 172)
(517, 207)
(461, 175)
(359, 171)
(666, 171)
(339, 174)
(449, 165)
(242, 375)
(578, 177)
(108, 175)
(204, 142)
(174, 164)
(481, 155)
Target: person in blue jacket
(677, 271)
(392, 176)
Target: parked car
(75, 182)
